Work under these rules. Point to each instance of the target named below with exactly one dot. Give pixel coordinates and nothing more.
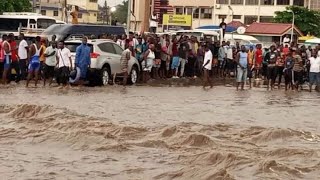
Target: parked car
(105, 61)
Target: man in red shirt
(14, 58)
(258, 60)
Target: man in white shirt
(23, 56)
(153, 23)
(64, 63)
(286, 40)
(207, 66)
(229, 63)
(314, 74)
(50, 63)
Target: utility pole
(147, 15)
(33, 5)
(105, 11)
(129, 16)
(66, 11)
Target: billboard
(176, 22)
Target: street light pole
(230, 8)
(292, 26)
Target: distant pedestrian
(147, 63)
(221, 59)
(288, 73)
(297, 70)
(175, 59)
(183, 54)
(271, 67)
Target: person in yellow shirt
(74, 15)
(42, 56)
(251, 64)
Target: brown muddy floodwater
(182, 133)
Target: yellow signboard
(177, 20)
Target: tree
(15, 6)
(306, 20)
(121, 12)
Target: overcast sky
(110, 2)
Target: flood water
(158, 133)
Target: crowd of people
(164, 56)
(172, 57)
(38, 61)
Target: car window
(107, 47)
(118, 49)
(73, 46)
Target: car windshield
(73, 46)
(255, 42)
(45, 23)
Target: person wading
(207, 66)
(242, 67)
(124, 61)
(34, 63)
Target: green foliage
(306, 20)
(121, 13)
(15, 6)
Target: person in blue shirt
(139, 50)
(83, 58)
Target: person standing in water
(314, 74)
(34, 64)
(207, 66)
(251, 61)
(83, 59)
(124, 61)
(64, 63)
(7, 58)
(242, 67)
(50, 63)
(23, 56)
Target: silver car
(105, 60)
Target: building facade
(88, 9)
(212, 12)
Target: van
(64, 31)
(245, 40)
(199, 34)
